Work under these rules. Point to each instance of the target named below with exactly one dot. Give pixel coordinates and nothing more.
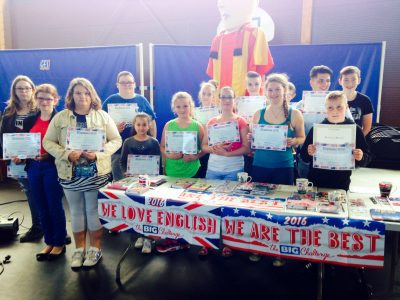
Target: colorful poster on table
(21, 145)
(158, 216)
(326, 239)
(334, 146)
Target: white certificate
(269, 137)
(334, 134)
(21, 145)
(334, 146)
(334, 157)
(247, 106)
(314, 102)
(221, 133)
(143, 165)
(85, 139)
(181, 141)
(16, 171)
(122, 112)
(204, 114)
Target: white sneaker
(139, 243)
(77, 258)
(93, 255)
(146, 246)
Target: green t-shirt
(178, 167)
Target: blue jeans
(273, 175)
(26, 188)
(223, 175)
(47, 194)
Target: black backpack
(384, 143)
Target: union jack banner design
(161, 217)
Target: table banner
(160, 217)
(326, 239)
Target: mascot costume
(239, 47)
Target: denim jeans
(223, 175)
(26, 188)
(47, 194)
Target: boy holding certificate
(122, 107)
(336, 105)
(360, 105)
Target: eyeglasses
(226, 97)
(126, 82)
(22, 89)
(44, 99)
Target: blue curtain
(183, 68)
(58, 66)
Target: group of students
(80, 174)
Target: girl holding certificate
(182, 152)
(140, 144)
(42, 173)
(81, 173)
(225, 140)
(274, 166)
(208, 109)
(21, 105)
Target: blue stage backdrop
(58, 66)
(182, 68)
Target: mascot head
(235, 13)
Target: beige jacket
(55, 140)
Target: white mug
(243, 177)
(303, 185)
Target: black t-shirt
(359, 107)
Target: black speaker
(8, 228)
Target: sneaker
(255, 257)
(171, 245)
(77, 258)
(139, 243)
(278, 262)
(93, 255)
(146, 246)
(34, 233)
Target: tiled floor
(179, 275)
